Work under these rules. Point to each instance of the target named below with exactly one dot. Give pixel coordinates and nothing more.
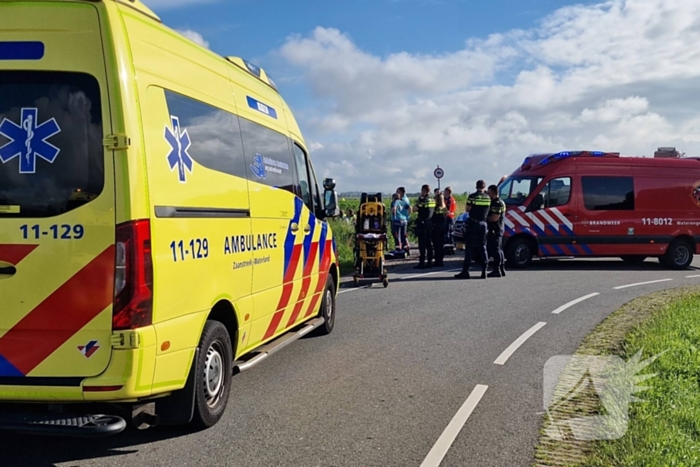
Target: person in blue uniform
(478, 205)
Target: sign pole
(439, 173)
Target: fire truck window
(515, 190)
(608, 193)
(557, 192)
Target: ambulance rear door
(57, 195)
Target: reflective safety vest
(426, 207)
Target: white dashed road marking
(503, 358)
(574, 302)
(641, 283)
(448, 436)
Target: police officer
(425, 207)
(494, 238)
(478, 204)
(439, 223)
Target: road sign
(439, 173)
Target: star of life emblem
(28, 140)
(179, 157)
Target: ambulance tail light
(133, 278)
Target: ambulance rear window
(51, 153)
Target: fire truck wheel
(213, 375)
(519, 253)
(679, 255)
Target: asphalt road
(383, 388)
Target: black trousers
(439, 229)
(425, 242)
(494, 246)
(475, 238)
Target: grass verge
(663, 428)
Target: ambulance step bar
(266, 350)
(62, 424)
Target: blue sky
(401, 85)
(245, 27)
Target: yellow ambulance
(161, 225)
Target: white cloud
(623, 75)
(194, 36)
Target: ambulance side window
(268, 158)
(304, 187)
(314, 189)
(214, 134)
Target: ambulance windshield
(515, 190)
(51, 152)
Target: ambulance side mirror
(330, 198)
(331, 203)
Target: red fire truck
(599, 204)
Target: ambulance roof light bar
(539, 160)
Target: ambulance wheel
(213, 375)
(519, 253)
(327, 311)
(679, 255)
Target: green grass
(664, 429)
(343, 233)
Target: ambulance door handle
(307, 229)
(295, 228)
(9, 271)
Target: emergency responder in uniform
(425, 206)
(494, 238)
(478, 204)
(439, 222)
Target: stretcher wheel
(357, 281)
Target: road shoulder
(607, 339)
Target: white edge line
(691, 277)
(444, 442)
(427, 274)
(641, 283)
(351, 290)
(503, 358)
(403, 278)
(574, 302)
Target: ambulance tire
(327, 311)
(213, 375)
(678, 256)
(519, 253)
